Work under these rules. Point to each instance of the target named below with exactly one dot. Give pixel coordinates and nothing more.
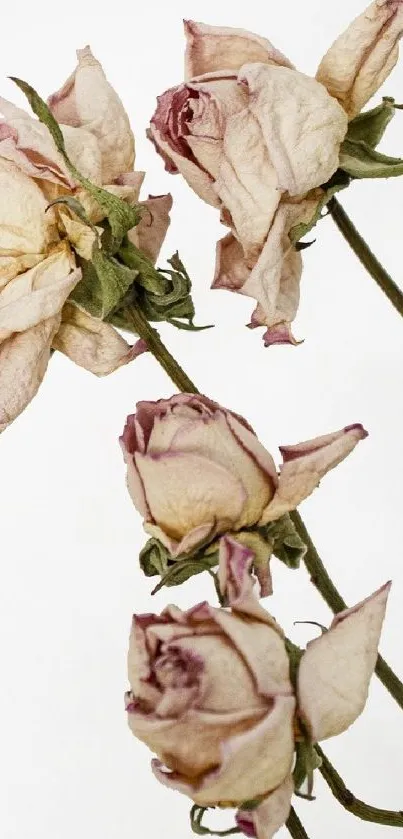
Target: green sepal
(370, 126)
(181, 570)
(103, 285)
(155, 559)
(122, 217)
(359, 160)
(287, 544)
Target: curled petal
(266, 749)
(211, 48)
(266, 819)
(38, 294)
(23, 361)
(273, 279)
(362, 57)
(302, 125)
(200, 181)
(87, 100)
(235, 580)
(279, 334)
(305, 464)
(150, 233)
(93, 344)
(28, 143)
(336, 669)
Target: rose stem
(295, 827)
(350, 802)
(365, 255)
(321, 580)
(150, 335)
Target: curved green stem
(321, 580)
(150, 335)
(365, 255)
(295, 826)
(350, 802)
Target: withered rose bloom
(196, 470)
(38, 246)
(257, 139)
(211, 695)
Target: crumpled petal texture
(211, 695)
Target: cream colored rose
(211, 696)
(196, 470)
(257, 139)
(38, 245)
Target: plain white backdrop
(70, 536)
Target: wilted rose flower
(196, 470)
(257, 139)
(38, 245)
(211, 695)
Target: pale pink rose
(211, 696)
(195, 470)
(257, 139)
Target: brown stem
(350, 802)
(295, 827)
(160, 352)
(365, 255)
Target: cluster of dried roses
(210, 689)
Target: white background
(70, 536)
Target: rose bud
(257, 139)
(211, 695)
(196, 470)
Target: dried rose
(257, 139)
(196, 470)
(38, 245)
(211, 694)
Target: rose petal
(179, 161)
(266, 819)
(25, 229)
(211, 48)
(28, 143)
(92, 344)
(88, 100)
(223, 440)
(305, 464)
(266, 749)
(235, 580)
(335, 670)
(178, 505)
(23, 361)
(150, 233)
(302, 125)
(192, 744)
(38, 294)
(362, 57)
